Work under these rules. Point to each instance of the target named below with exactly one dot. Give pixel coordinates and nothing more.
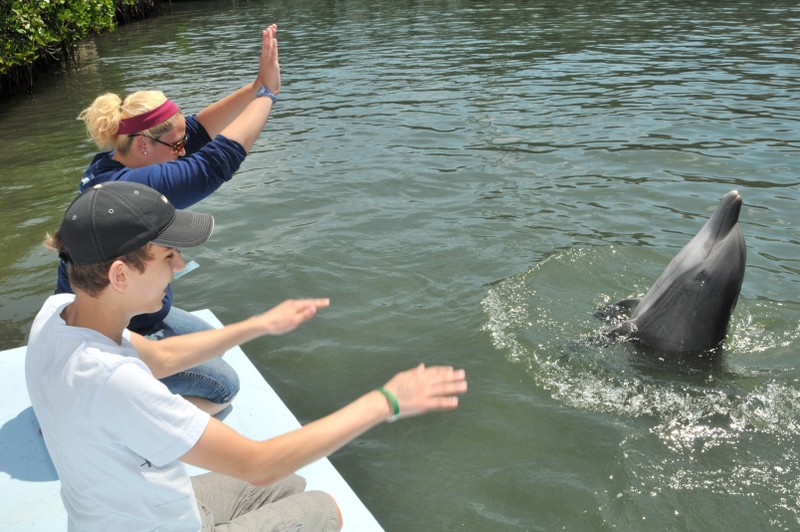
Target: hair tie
(63, 255)
(149, 119)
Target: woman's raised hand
(269, 69)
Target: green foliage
(34, 29)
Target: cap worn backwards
(117, 217)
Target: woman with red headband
(186, 158)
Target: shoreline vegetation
(40, 36)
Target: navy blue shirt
(208, 163)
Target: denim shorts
(214, 380)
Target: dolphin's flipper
(621, 310)
(620, 332)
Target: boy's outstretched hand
(424, 389)
(288, 315)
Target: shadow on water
(741, 402)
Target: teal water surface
(467, 181)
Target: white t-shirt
(113, 431)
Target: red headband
(149, 119)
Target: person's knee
(213, 380)
(220, 375)
(323, 505)
(229, 379)
(339, 519)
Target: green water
(466, 181)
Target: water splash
(750, 405)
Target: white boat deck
(29, 487)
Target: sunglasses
(176, 148)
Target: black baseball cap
(117, 217)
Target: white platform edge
(29, 488)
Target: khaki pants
(232, 505)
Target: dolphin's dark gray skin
(689, 307)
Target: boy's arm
(417, 391)
(223, 450)
(177, 353)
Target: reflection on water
(467, 181)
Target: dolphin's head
(689, 306)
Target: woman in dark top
(186, 158)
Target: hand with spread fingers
(424, 389)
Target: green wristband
(392, 403)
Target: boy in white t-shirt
(118, 437)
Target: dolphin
(688, 308)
